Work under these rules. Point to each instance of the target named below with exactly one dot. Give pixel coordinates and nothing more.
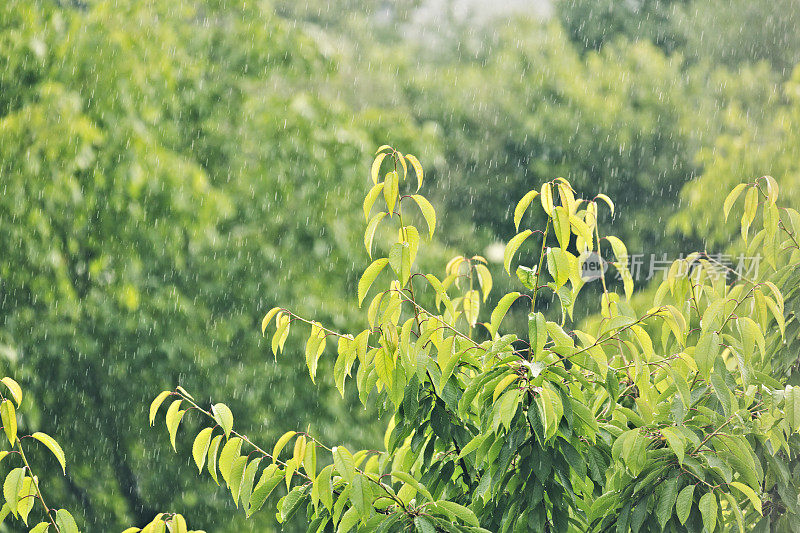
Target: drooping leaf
(54, 447)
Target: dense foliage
(673, 419)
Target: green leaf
(375, 171)
(384, 366)
(228, 454)
(9, 418)
(417, 169)
(546, 198)
(345, 465)
(676, 441)
(459, 511)
(706, 353)
(156, 404)
(268, 317)
(11, 488)
(708, 509)
(731, 199)
(751, 495)
(666, 500)
(537, 334)
(369, 200)
(173, 419)
(54, 447)
(212, 457)
(65, 522)
(236, 476)
(608, 202)
(369, 276)
(512, 247)
(428, 213)
(223, 417)
(41, 527)
(522, 206)
(473, 444)
(423, 525)
(683, 505)
(281, 443)
(349, 520)
(391, 187)
(361, 495)
(14, 389)
(270, 478)
(558, 262)
(246, 488)
(561, 226)
(325, 488)
(409, 480)
(500, 311)
(369, 234)
(200, 447)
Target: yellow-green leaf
(417, 169)
(9, 418)
(156, 404)
(14, 388)
(285, 438)
(269, 316)
(376, 167)
(223, 417)
(53, 446)
(428, 212)
(369, 199)
(522, 206)
(200, 447)
(512, 247)
(731, 199)
(751, 495)
(369, 276)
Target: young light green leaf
(173, 419)
(224, 417)
(731, 198)
(417, 169)
(156, 404)
(512, 247)
(369, 199)
(14, 389)
(608, 202)
(522, 206)
(751, 495)
(212, 457)
(229, 453)
(268, 317)
(344, 463)
(200, 447)
(65, 522)
(11, 488)
(409, 480)
(369, 233)
(428, 212)
(459, 511)
(376, 167)
(281, 443)
(500, 311)
(369, 276)
(8, 415)
(53, 446)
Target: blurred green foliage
(159, 162)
